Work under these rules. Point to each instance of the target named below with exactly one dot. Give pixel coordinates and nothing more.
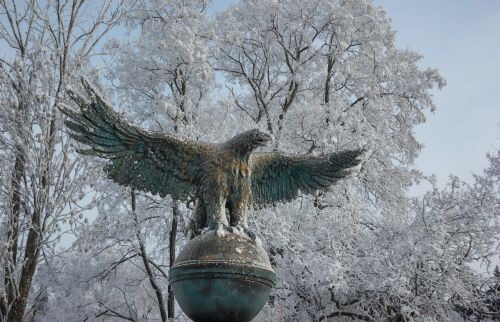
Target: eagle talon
(220, 230)
(234, 230)
(250, 234)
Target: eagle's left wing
(279, 177)
(158, 163)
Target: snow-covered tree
(326, 76)
(455, 229)
(158, 68)
(42, 180)
(116, 269)
(321, 76)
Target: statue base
(218, 279)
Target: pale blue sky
(461, 38)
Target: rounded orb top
(217, 279)
(232, 249)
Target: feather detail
(154, 162)
(278, 177)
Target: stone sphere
(217, 279)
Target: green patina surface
(227, 298)
(219, 279)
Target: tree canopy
(320, 76)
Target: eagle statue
(226, 175)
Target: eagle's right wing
(154, 162)
(279, 177)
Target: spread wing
(279, 177)
(154, 162)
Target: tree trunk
(32, 250)
(14, 303)
(13, 229)
(292, 92)
(145, 261)
(172, 243)
(16, 312)
(326, 98)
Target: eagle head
(257, 138)
(244, 143)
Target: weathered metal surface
(228, 175)
(219, 279)
(216, 278)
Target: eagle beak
(269, 140)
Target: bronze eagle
(227, 175)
